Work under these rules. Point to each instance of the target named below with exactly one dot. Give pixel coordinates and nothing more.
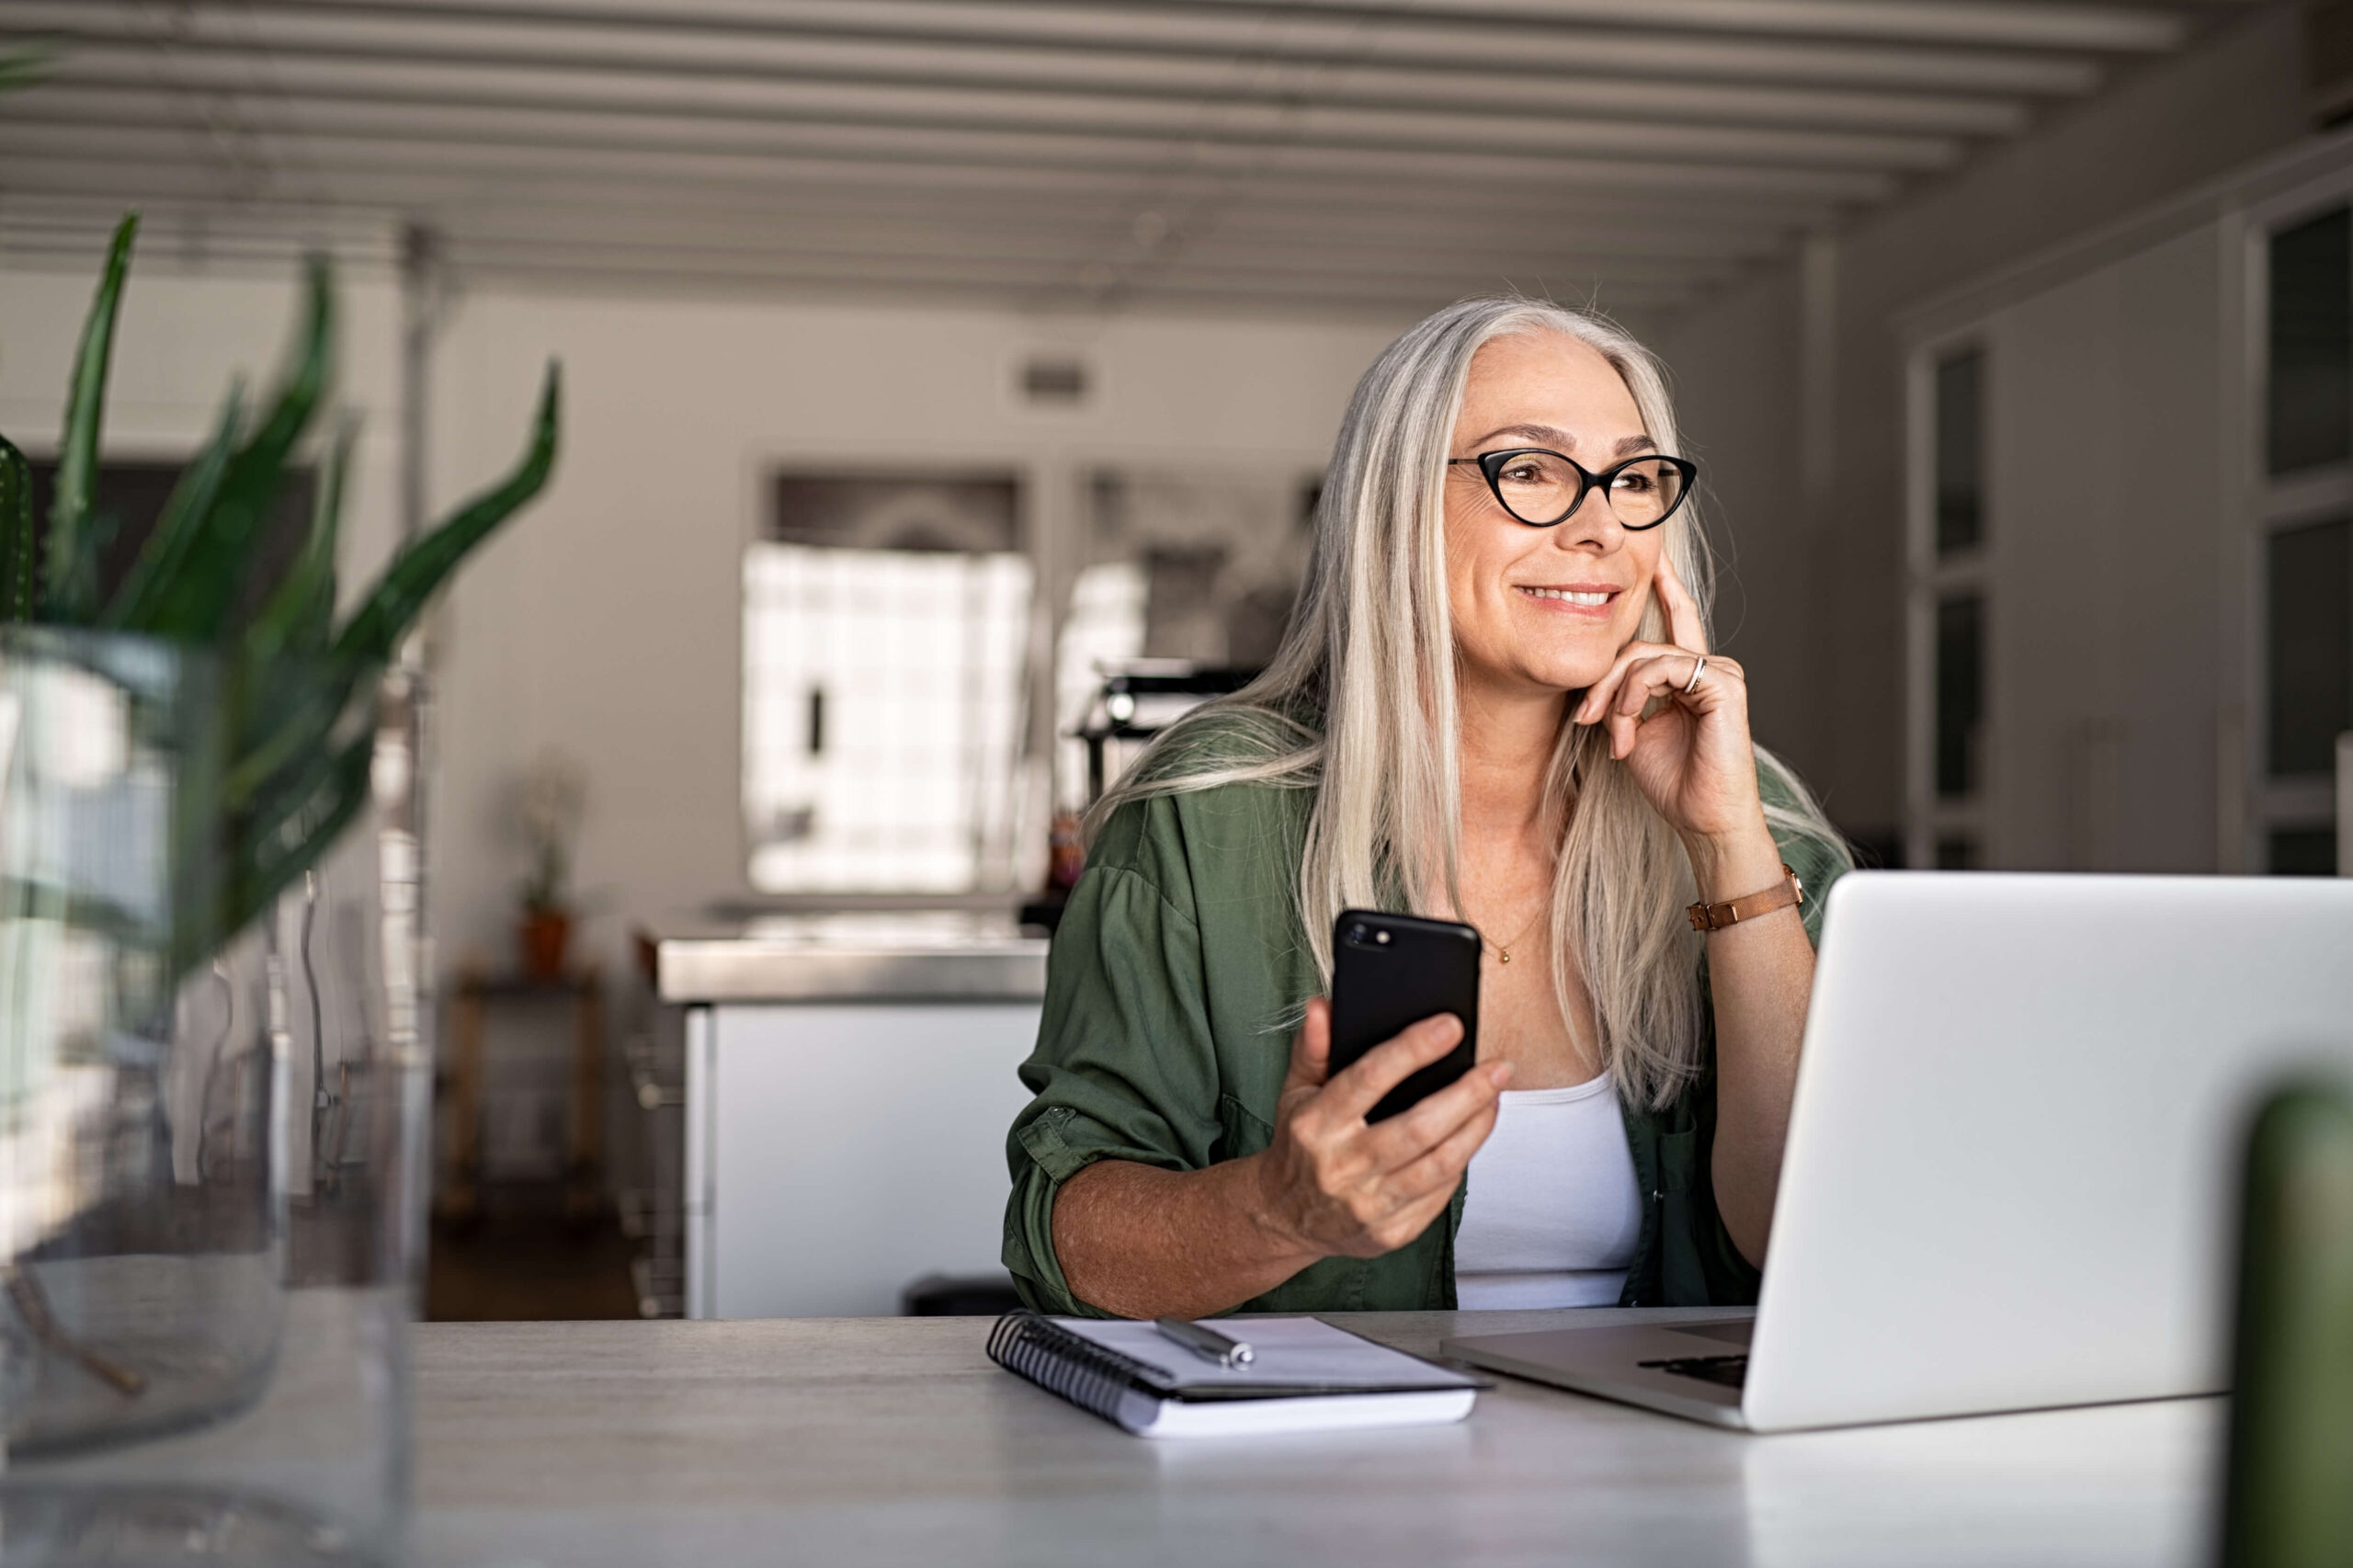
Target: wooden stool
(583, 1196)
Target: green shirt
(1177, 976)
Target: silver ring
(1697, 671)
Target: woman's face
(1543, 607)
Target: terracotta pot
(541, 937)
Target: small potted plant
(548, 804)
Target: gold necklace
(1503, 949)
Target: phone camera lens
(1356, 932)
(1381, 936)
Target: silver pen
(1206, 1343)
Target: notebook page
(1287, 1352)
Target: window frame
(2271, 504)
(1932, 576)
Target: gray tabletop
(895, 1440)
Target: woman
(1494, 704)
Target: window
(1961, 694)
(1959, 477)
(1104, 630)
(2302, 559)
(2302, 852)
(883, 670)
(1950, 528)
(2310, 653)
(2308, 394)
(1184, 570)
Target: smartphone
(1392, 970)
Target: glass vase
(212, 1141)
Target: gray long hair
(1369, 655)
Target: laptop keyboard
(1732, 1371)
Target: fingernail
(1500, 1073)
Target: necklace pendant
(1504, 953)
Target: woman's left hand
(1693, 757)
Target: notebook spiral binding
(1084, 1373)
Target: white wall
(1824, 640)
(606, 621)
(1746, 447)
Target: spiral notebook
(1307, 1377)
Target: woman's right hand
(1334, 1184)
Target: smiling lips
(1583, 595)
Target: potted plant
(548, 804)
(212, 1085)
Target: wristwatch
(1716, 916)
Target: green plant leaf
(20, 540)
(181, 522)
(408, 582)
(300, 613)
(284, 842)
(295, 711)
(23, 67)
(66, 573)
(194, 596)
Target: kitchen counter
(850, 1079)
(925, 954)
(856, 1441)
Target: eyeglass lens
(1541, 488)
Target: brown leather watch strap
(1716, 916)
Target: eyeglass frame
(1490, 465)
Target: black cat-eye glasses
(1541, 488)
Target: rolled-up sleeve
(1126, 1066)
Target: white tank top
(1553, 1214)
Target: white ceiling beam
(169, 239)
(786, 238)
(561, 267)
(1315, 211)
(787, 249)
(1434, 248)
(728, 114)
(2022, 24)
(543, 273)
(280, 133)
(2017, 24)
(1259, 281)
(700, 37)
(433, 182)
(1103, 236)
(525, 69)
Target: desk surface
(895, 1440)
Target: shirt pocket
(1240, 1130)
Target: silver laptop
(2012, 1167)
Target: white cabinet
(845, 1149)
(850, 1086)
